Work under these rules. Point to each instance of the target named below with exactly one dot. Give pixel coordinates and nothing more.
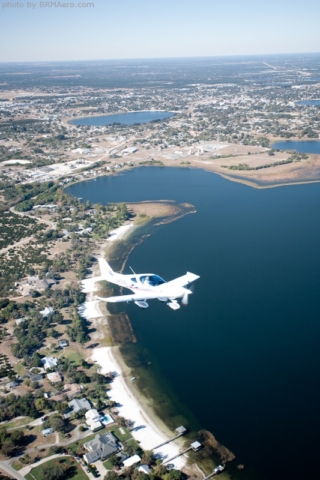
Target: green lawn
(17, 465)
(132, 442)
(65, 462)
(73, 355)
(121, 436)
(107, 465)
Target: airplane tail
(105, 270)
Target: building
(102, 446)
(34, 283)
(63, 343)
(72, 390)
(93, 419)
(47, 311)
(49, 362)
(145, 469)
(76, 405)
(12, 384)
(54, 377)
(131, 460)
(34, 377)
(47, 431)
(20, 320)
(196, 446)
(181, 430)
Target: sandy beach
(145, 430)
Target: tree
(57, 423)
(147, 457)
(114, 460)
(52, 472)
(120, 421)
(111, 475)
(40, 404)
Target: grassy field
(107, 464)
(73, 469)
(19, 422)
(73, 355)
(121, 436)
(17, 465)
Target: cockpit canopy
(152, 280)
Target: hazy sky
(150, 28)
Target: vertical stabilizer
(105, 270)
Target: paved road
(11, 471)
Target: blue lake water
(307, 146)
(308, 102)
(244, 355)
(125, 118)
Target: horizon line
(158, 58)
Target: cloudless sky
(150, 28)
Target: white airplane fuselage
(147, 286)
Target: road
(10, 471)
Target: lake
(124, 118)
(243, 357)
(307, 146)
(308, 102)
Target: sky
(120, 29)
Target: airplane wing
(131, 298)
(183, 281)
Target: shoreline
(249, 182)
(148, 429)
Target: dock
(181, 431)
(176, 456)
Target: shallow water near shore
(243, 357)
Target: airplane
(147, 286)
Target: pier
(181, 431)
(176, 456)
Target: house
(20, 320)
(34, 377)
(34, 283)
(145, 469)
(49, 362)
(131, 460)
(12, 384)
(47, 431)
(76, 405)
(72, 390)
(54, 377)
(47, 311)
(102, 446)
(93, 419)
(63, 343)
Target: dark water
(244, 356)
(125, 118)
(307, 146)
(308, 102)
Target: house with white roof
(49, 362)
(93, 420)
